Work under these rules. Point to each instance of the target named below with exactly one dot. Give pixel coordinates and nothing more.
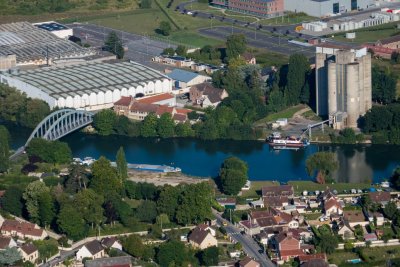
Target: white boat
(290, 142)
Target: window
(335, 8)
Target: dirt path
(160, 179)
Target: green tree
(133, 245)
(12, 103)
(31, 196)
(9, 256)
(35, 111)
(324, 163)
(366, 201)
(71, 222)
(235, 45)
(122, 166)
(113, 44)
(77, 178)
(50, 151)
(12, 200)
(165, 125)
(184, 130)
(169, 51)
(233, 175)
(46, 209)
(89, 204)
(46, 248)
(328, 243)
(165, 28)
(209, 256)
(383, 86)
(297, 74)
(149, 126)
(104, 121)
(390, 210)
(172, 252)
(104, 178)
(4, 149)
(147, 211)
(395, 57)
(168, 200)
(181, 50)
(145, 4)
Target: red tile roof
(277, 190)
(379, 196)
(161, 109)
(124, 101)
(291, 253)
(248, 262)
(179, 117)
(141, 107)
(155, 98)
(304, 258)
(183, 110)
(331, 203)
(29, 248)
(21, 227)
(4, 242)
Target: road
(140, 47)
(249, 245)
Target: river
(357, 163)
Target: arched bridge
(58, 124)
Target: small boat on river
(276, 141)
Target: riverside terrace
(31, 44)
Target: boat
(153, 168)
(276, 141)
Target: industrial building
(323, 8)
(33, 45)
(343, 80)
(259, 8)
(59, 30)
(89, 86)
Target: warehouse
(90, 86)
(59, 30)
(35, 46)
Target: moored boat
(276, 141)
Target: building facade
(323, 8)
(260, 8)
(343, 80)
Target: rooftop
(28, 248)
(94, 247)
(155, 98)
(198, 235)
(182, 75)
(88, 78)
(51, 26)
(277, 190)
(123, 261)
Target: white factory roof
(30, 43)
(88, 78)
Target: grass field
(376, 256)
(300, 186)
(255, 188)
(371, 34)
(271, 59)
(287, 113)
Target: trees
(235, 45)
(172, 252)
(35, 111)
(168, 200)
(149, 126)
(165, 28)
(31, 196)
(324, 163)
(77, 178)
(395, 57)
(71, 222)
(49, 151)
(133, 245)
(181, 50)
(104, 178)
(104, 121)
(122, 167)
(113, 44)
(184, 129)
(147, 211)
(9, 256)
(145, 4)
(297, 74)
(383, 86)
(390, 210)
(46, 208)
(233, 175)
(209, 256)
(4, 148)
(12, 200)
(169, 51)
(89, 205)
(165, 125)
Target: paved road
(249, 245)
(140, 48)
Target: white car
(189, 13)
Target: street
(250, 247)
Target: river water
(357, 163)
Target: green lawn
(287, 113)
(371, 34)
(287, 19)
(300, 186)
(255, 189)
(377, 256)
(271, 59)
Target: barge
(276, 141)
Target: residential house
(121, 107)
(278, 202)
(184, 79)
(277, 191)
(378, 217)
(93, 250)
(315, 263)
(249, 58)
(201, 239)
(370, 237)
(23, 230)
(122, 261)
(381, 198)
(332, 206)
(206, 95)
(166, 99)
(7, 242)
(318, 257)
(326, 195)
(111, 242)
(345, 230)
(29, 252)
(287, 245)
(208, 228)
(354, 217)
(176, 61)
(249, 262)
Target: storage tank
(332, 105)
(352, 99)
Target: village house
(93, 250)
(122, 261)
(249, 262)
(206, 95)
(111, 242)
(208, 228)
(332, 206)
(184, 79)
(176, 61)
(354, 217)
(318, 257)
(378, 217)
(22, 230)
(201, 239)
(370, 237)
(381, 198)
(278, 202)
(277, 191)
(249, 58)
(7, 242)
(288, 246)
(29, 252)
(345, 230)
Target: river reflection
(203, 158)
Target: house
(208, 228)
(249, 58)
(183, 79)
(287, 246)
(206, 95)
(22, 230)
(380, 219)
(345, 230)
(277, 191)
(201, 239)
(122, 261)
(370, 237)
(111, 242)
(354, 217)
(29, 252)
(332, 206)
(278, 202)
(229, 203)
(249, 262)
(93, 250)
(166, 99)
(312, 257)
(381, 198)
(7, 242)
